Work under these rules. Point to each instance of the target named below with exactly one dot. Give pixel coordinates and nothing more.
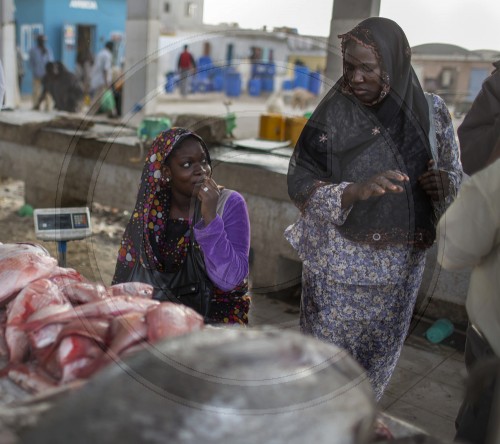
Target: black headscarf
(347, 141)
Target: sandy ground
(94, 257)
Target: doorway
(85, 44)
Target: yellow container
(293, 128)
(272, 127)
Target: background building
(453, 72)
(73, 28)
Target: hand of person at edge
(209, 199)
(377, 185)
(436, 183)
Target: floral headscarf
(152, 206)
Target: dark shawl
(152, 208)
(480, 129)
(346, 141)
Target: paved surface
(426, 388)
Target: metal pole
(61, 250)
(345, 15)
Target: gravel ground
(94, 257)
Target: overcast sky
(472, 24)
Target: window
(190, 9)
(447, 77)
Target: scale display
(61, 224)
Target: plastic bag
(108, 104)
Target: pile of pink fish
(57, 327)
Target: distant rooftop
(447, 50)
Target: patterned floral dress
(357, 296)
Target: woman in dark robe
(368, 187)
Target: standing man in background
(20, 67)
(186, 66)
(39, 56)
(100, 76)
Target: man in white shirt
(469, 237)
(100, 76)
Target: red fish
(126, 331)
(65, 276)
(30, 378)
(107, 308)
(95, 332)
(36, 295)
(11, 250)
(44, 336)
(74, 354)
(21, 264)
(84, 292)
(132, 289)
(168, 320)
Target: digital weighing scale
(62, 225)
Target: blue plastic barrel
(268, 83)
(233, 84)
(204, 68)
(254, 87)
(170, 83)
(301, 77)
(271, 68)
(315, 82)
(218, 82)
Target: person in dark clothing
(480, 129)
(63, 86)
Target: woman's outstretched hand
(377, 185)
(436, 183)
(209, 196)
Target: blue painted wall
(108, 19)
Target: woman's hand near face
(436, 183)
(208, 196)
(377, 185)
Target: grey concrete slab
(402, 380)
(419, 361)
(386, 401)
(435, 397)
(451, 371)
(436, 425)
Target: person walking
(20, 67)
(364, 178)
(63, 86)
(100, 77)
(186, 67)
(39, 56)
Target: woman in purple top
(177, 172)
